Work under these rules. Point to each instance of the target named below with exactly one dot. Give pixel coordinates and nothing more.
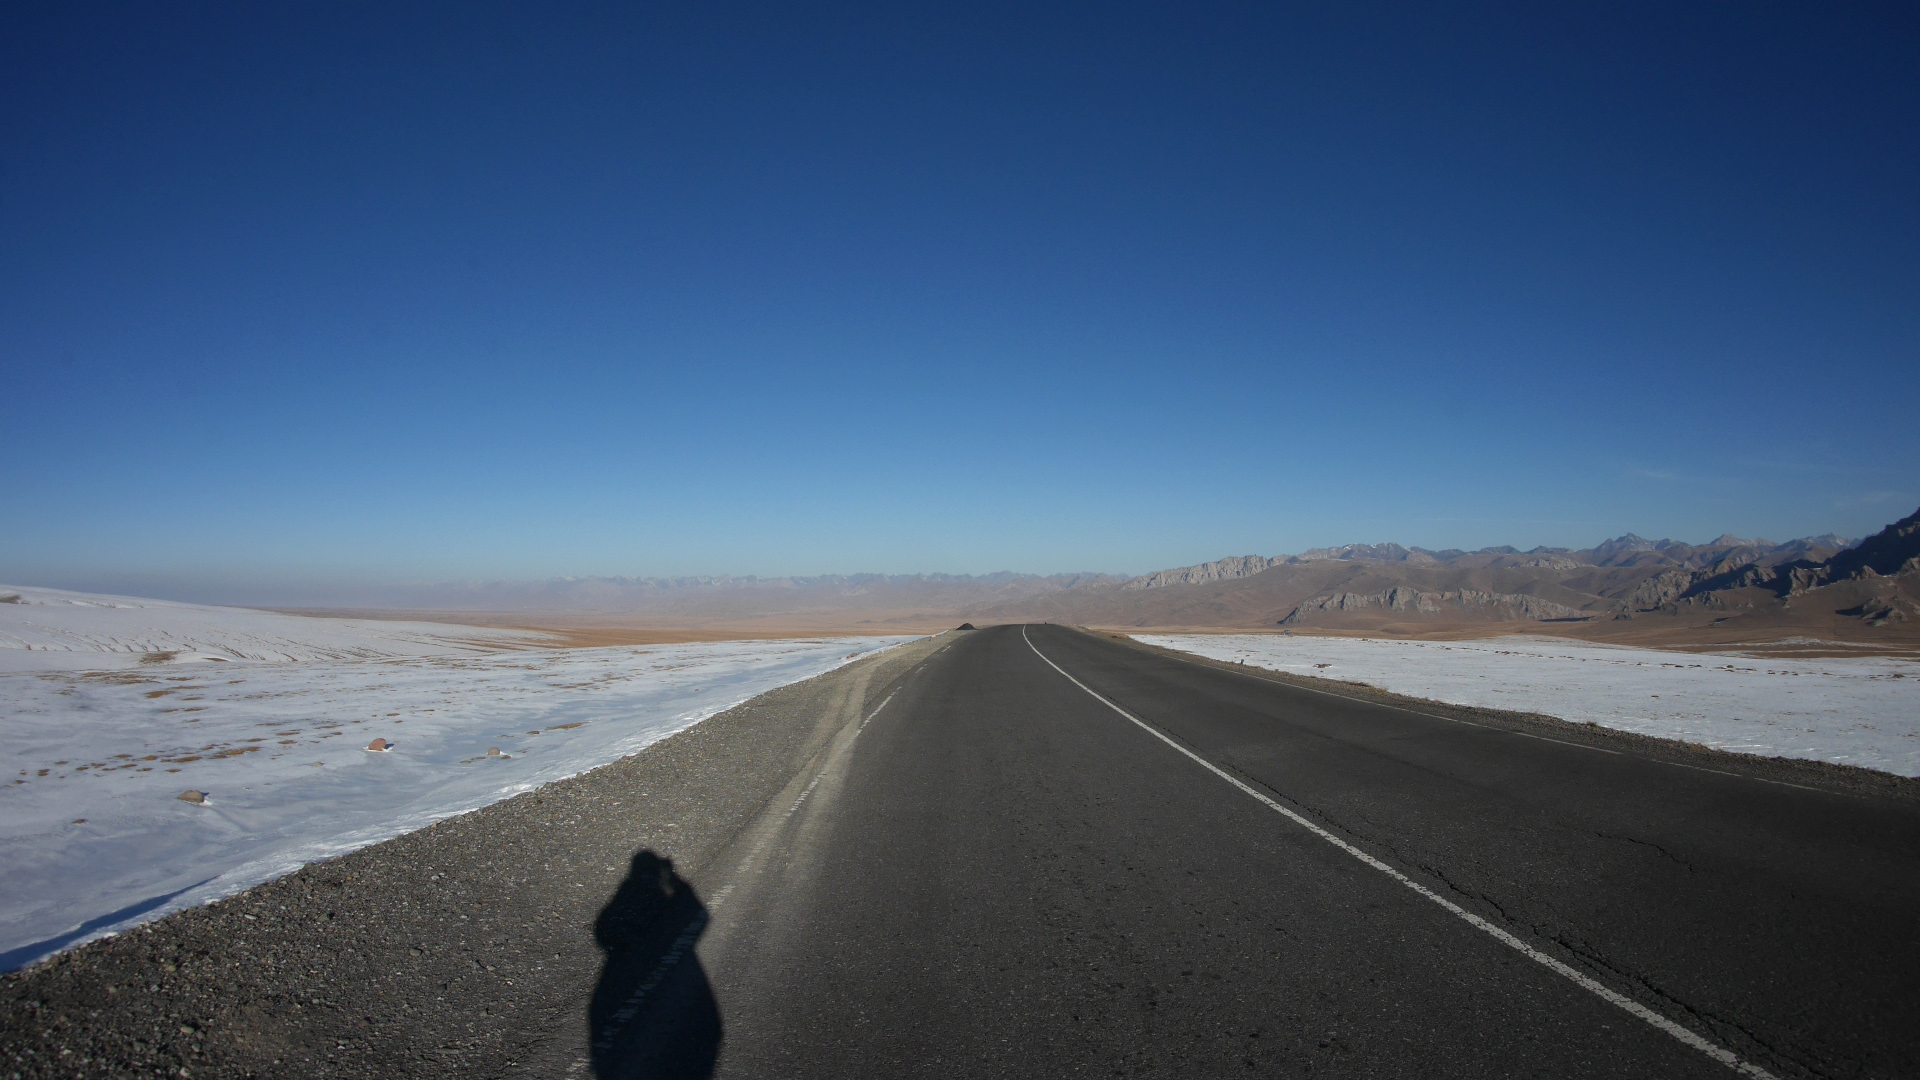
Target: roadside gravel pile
(459, 950)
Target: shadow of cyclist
(653, 1014)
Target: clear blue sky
(313, 292)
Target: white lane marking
(663, 968)
(803, 795)
(1396, 708)
(757, 853)
(1562, 742)
(1686, 1035)
(925, 662)
(1744, 776)
(759, 850)
(658, 974)
(1510, 731)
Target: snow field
(1861, 711)
(95, 837)
(53, 629)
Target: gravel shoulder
(464, 949)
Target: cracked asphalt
(952, 859)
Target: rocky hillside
(1892, 550)
(1881, 573)
(1808, 586)
(1228, 569)
(1645, 584)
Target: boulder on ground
(379, 746)
(195, 797)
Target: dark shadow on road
(653, 1013)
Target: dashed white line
(659, 973)
(803, 795)
(1683, 1034)
(1744, 776)
(1562, 742)
(631, 1006)
(759, 849)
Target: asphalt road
(963, 857)
(998, 872)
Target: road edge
(1825, 776)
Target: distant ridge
(1814, 586)
(1607, 553)
(1227, 569)
(1627, 586)
(1892, 550)
(729, 596)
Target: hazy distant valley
(1628, 589)
(1727, 590)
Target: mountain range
(1628, 587)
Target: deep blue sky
(310, 293)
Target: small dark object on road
(964, 626)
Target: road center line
(1683, 1034)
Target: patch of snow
(1854, 710)
(96, 837)
(48, 629)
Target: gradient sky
(300, 293)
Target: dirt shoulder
(456, 951)
(1819, 775)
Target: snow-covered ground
(1863, 711)
(52, 629)
(94, 836)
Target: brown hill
(1664, 592)
(1727, 591)
(829, 602)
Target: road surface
(1045, 853)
